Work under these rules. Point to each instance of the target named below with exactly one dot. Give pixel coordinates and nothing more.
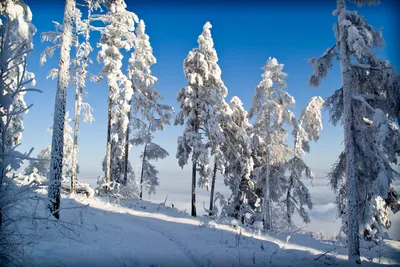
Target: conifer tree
(367, 105)
(204, 93)
(270, 107)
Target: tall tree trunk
(352, 195)
(288, 197)
(141, 175)
(194, 163)
(108, 149)
(78, 99)
(267, 205)
(78, 102)
(57, 144)
(213, 187)
(242, 201)
(126, 156)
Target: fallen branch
(323, 254)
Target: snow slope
(110, 232)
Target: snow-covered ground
(109, 232)
(176, 187)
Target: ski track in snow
(185, 250)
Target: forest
(259, 153)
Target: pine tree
(204, 93)
(146, 114)
(270, 107)
(305, 129)
(239, 161)
(367, 105)
(149, 174)
(117, 34)
(59, 111)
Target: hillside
(108, 232)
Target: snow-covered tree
(368, 107)
(146, 114)
(305, 129)
(116, 35)
(270, 107)
(199, 102)
(78, 68)
(43, 165)
(239, 162)
(57, 144)
(16, 33)
(151, 151)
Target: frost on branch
(271, 111)
(201, 105)
(43, 165)
(374, 105)
(306, 129)
(16, 33)
(321, 66)
(117, 35)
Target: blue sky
(245, 34)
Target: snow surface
(110, 232)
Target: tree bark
(108, 148)
(194, 163)
(141, 175)
(78, 102)
(78, 99)
(126, 159)
(242, 201)
(352, 195)
(213, 187)
(267, 215)
(57, 144)
(288, 196)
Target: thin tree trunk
(126, 159)
(141, 175)
(213, 187)
(352, 196)
(243, 201)
(288, 196)
(108, 149)
(78, 99)
(78, 102)
(194, 163)
(267, 215)
(57, 144)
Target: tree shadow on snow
(140, 233)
